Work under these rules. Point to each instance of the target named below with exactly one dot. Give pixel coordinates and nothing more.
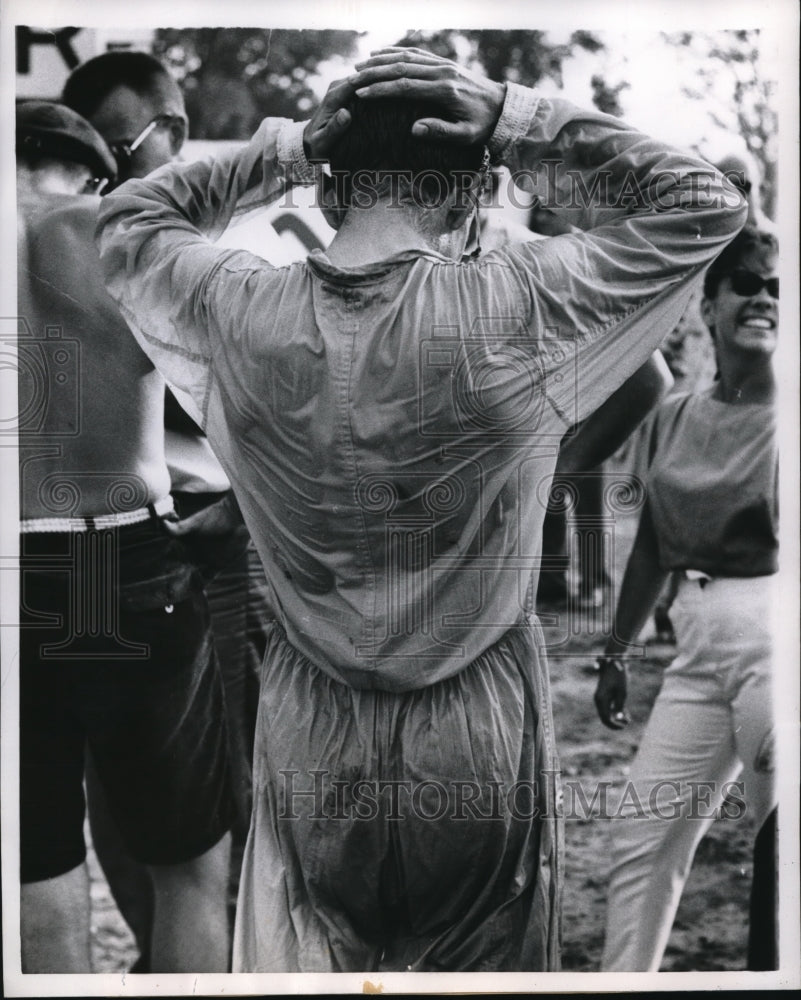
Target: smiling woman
(740, 308)
(710, 520)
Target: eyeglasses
(749, 283)
(175, 123)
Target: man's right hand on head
(329, 121)
(471, 105)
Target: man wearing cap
(58, 152)
(136, 105)
(115, 644)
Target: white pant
(712, 719)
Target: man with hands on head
(390, 417)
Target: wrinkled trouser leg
(376, 842)
(712, 720)
(240, 614)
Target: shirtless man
(137, 107)
(115, 647)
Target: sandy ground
(710, 931)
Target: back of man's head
(379, 146)
(91, 83)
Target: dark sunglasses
(749, 283)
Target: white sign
(46, 56)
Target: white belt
(160, 508)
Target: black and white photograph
(400, 509)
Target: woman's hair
(748, 239)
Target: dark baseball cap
(53, 129)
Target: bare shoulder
(64, 281)
(65, 219)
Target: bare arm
(604, 431)
(642, 583)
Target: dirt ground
(711, 927)
(710, 931)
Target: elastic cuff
(289, 147)
(519, 108)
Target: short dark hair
(748, 239)
(90, 83)
(379, 142)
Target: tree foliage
(234, 77)
(739, 97)
(524, 57)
